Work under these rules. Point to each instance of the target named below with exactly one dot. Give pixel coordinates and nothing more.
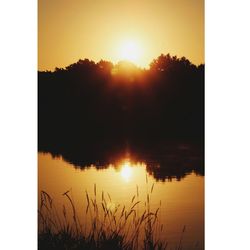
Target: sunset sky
(114, 30)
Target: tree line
(87, 107)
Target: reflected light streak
(126, 171)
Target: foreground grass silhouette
(109, 226)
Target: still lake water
(181, 201)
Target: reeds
(105, 225)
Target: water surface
(181, 202)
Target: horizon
(122, 61)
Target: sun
(130, 50)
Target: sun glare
(126, 171)
(130, 51)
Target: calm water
(181, 201)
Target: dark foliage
(90, 109)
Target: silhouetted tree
(87, 106)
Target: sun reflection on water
(127, 169)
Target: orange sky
(102, 29)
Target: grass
(103, 225)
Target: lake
(178, 195)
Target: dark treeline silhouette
(163, 162)
(89, 110)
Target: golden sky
(69, 30)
